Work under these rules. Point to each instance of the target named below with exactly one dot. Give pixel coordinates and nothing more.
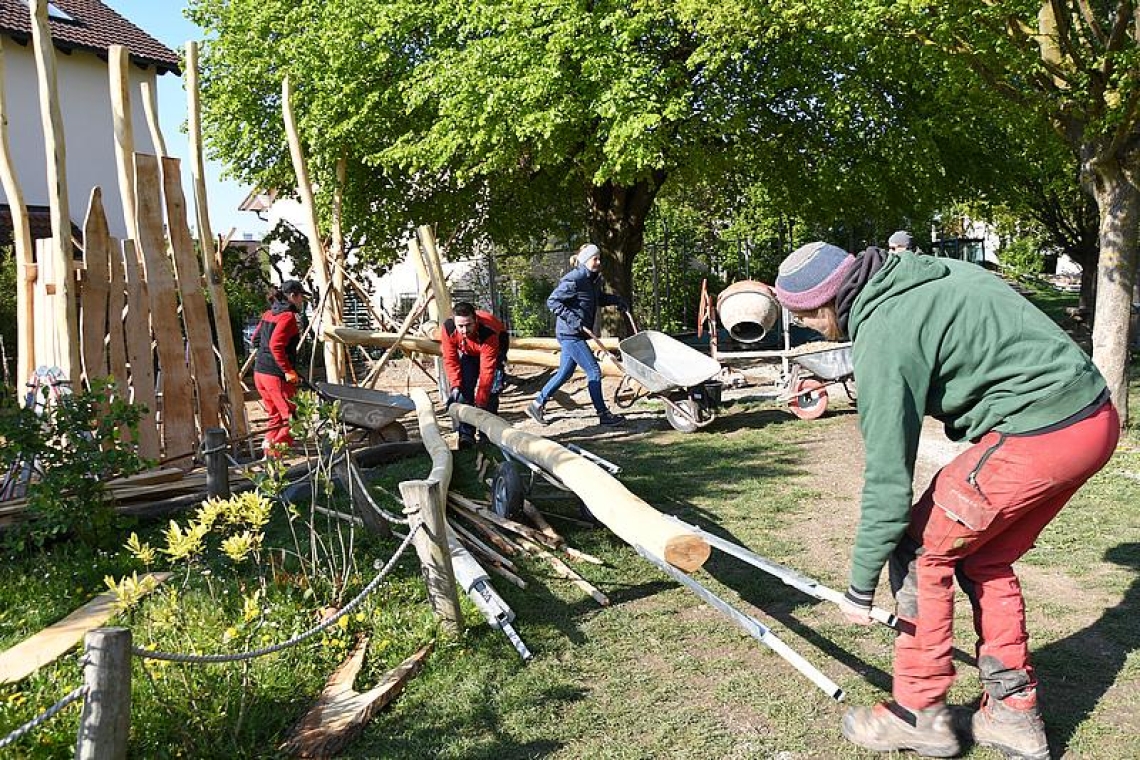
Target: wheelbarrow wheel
(684, 415)
(810, 401)
(507, 490)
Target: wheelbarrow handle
(600, 345)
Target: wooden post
(150, 108)
(423, 505)
(328, 316)
(217, 466)
(139, 352)
(22, 242)
(434, 264)
(118, 63)
(67, 322)
(105, 723)
(211, 255)
(95, 292)
(116, 304)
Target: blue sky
(164, 20)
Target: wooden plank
(95, 292)
(43, 306)
(195, 316)
(211, 256)
(66, 317)
(139, 352)
(178, 434)
(22, 242)
(51, 643)
(116, 304)
(118, 66)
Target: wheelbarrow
(370, 410)
(665, 368)
(816, 367)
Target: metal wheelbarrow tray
(677, 373)
(831, 365)
(366, 408)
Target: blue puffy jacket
(576, 299)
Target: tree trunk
(617, 225)
(1119, 204)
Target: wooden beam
(195, 316)
(430, 251)
(95, 292)
(139, 351)
(116, 305)
(630, 518)
(334, 372)
(22, 242)
(51, 643)
(67, 322)
(211, 255)
(118, 67)
(177, 398)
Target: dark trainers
(609, 418)
(888, 727)
(466, 442)
(534, 411)
(1013, 726)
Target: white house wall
(89, 135)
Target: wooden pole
(423, 507)
(118, 66)
(333, 370)
(67, 322)
(430, 251)
(211, 254)
(139, 351)
(22, 241)
(105, 724)
(116, 303)
(150, 107)
(217, 466)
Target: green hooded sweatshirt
(947, 339)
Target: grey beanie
(587, 252)
(900, 239)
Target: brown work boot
(1012, 725)
(888, 726)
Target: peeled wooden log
(537, 358)
(630, 518)
(551, 344)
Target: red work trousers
(981, 513)
(277, 400)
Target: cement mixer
(747, 309)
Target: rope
(208, 658)
(50, 713)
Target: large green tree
(1077, 64)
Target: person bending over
(474, 347)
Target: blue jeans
(469, 380)
(576, 353)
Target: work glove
(292, 377)
(856, 607)
(622, 306)
(455, 397)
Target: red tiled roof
(95, 27)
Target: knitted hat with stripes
(810, 277)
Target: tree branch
(1116, 39)
(1089, 17)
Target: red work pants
(981, 513)
(276, 399)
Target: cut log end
(687, 553)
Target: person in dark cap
(950, 340)
(275, 366)
(575, 302)
(900, 241)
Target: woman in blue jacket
(575, 303)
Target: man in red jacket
(474, 348)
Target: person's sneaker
(466, 442)
(1013, 726)
(888, 727)
(609, 418)
(534, 411)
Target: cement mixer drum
(748, 310)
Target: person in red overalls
(275, 368)
(474, 348)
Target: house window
(53, 12)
